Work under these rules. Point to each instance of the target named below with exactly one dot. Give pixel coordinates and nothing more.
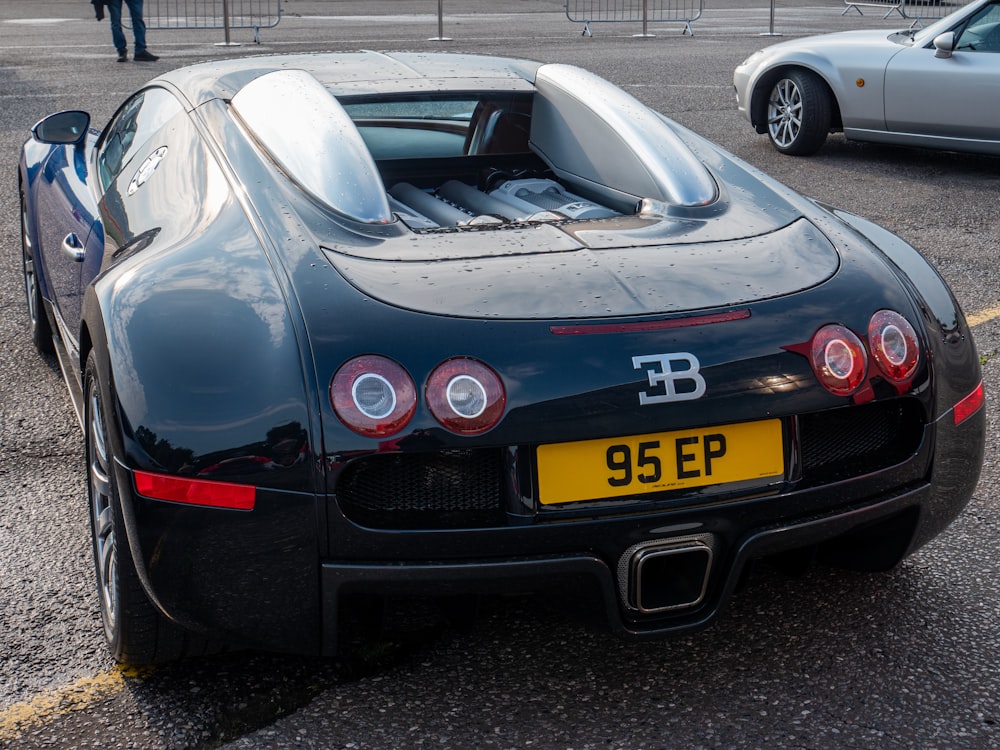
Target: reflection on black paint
(283, 447)
(138, 243)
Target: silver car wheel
(784, 113)
(800, 109)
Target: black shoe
(122, 55)
(145, 56)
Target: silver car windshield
(927, 34)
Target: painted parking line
(38, 21)
(983, 316)
(51, 704)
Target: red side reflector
(195, 491)
(968, 405)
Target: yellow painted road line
(983, 316)
(44, 707)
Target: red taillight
(894, 346)
(195, 491)
(838, 359)
(968, 405)
(373, 396)
(465, 396)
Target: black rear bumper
(591, 579)
(264, 580)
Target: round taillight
(894, 346)
(838, 359)
(373, 396)
(465, 396)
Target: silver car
(937, 87)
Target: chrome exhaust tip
(665, 575)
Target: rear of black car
(641, 463)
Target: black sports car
(347, 327)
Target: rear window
(437, 127)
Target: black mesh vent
(464, 489)
(418, 490)
(847, 442)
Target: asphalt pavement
(825, 660)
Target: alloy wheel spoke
(109, 578)
(25, 237)
(784, 113)
(785, 93)
(29, 291)
(99, 481)
(30, 280)
(104, 527)
(97, 435)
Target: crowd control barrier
(916, 10)
(211, 14)
(634, 11)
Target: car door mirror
(944, 44)
(62, 127)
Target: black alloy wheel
(41, 332)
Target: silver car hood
(878, 42)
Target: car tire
(41, 331)
(798, 113)
(136, 632)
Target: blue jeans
(138, 25)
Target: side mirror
(62, 127)
(944, 44)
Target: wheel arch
(166, 338)
(25, 187)
(203, 600)
(33, 158)
(762, 88)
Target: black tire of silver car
(135, 630)
(798, 113)
(41, 332)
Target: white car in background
(936, 87)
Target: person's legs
(117, 35)
(139, 31)
(138, 25)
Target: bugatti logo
(146, 169)
(672, 377)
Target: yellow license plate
(638, 464)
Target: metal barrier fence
(212, 14)
(634, 11)
(917, 10)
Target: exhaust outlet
(666, 575)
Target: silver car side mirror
(944, 44)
